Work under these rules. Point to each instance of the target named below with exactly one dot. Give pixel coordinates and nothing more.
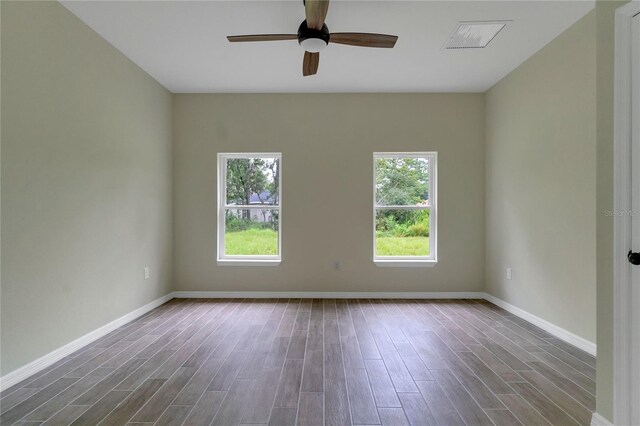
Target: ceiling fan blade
(262, 37)
(316, 12)
(364, 39)
(310, 63)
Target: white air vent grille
(474, 35)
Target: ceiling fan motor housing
(313, 40)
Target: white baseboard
(550, 328)
(33, 367)
(43, 362)
(598, 420)
(326, 295)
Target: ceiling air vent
(474, 35)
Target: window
(404, 209)
(249, 208)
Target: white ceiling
(182, 44)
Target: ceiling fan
(313, 35)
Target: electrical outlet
(336, 265)
(146, 272)
(509, 273)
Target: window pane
(402, 233)
(402, 181)
(251, 232)
(253, 181)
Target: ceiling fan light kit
(313, 40)
(313, 36)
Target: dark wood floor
(365, 362)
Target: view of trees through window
(402, 212)
(252, 216)
(402, 206)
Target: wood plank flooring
(314, 362)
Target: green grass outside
(252, 242)
(402, 246)
(265, 242)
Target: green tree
(401, 182)
(273, 186)
(249, 176)
(245, 176)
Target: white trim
(247, 262)
(598, 420)
(622, 312)
(394, 263)
(550, 328)
(420, 207)
(221, 257)
(399, 154)
(252, 207)
(327, 295)
(33, 367)
(411, 261)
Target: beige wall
(327, 142)
(540, 183)
(86, 182)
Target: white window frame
(432, 259)
(245, 260)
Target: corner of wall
(535, 118)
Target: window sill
(248, 262)
(406, 263)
